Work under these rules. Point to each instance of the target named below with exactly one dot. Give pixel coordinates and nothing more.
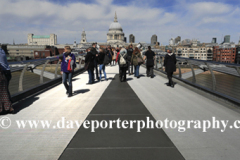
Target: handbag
(140, 60)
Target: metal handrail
(213, 84)
(30, 65)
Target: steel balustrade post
(20, 86)
(213, 77)
(56, 69)
(81, 62)
(43, 69)
(179, 69)
(161, 63)
(193, 72)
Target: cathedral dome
(115, 26)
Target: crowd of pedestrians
(128, 59)
(96, 59)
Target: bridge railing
(222, 79)
(32, 73)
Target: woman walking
(123, 64)
(170, 66)
(67, 68)
(136, 57)
(101, 57)
(150, 56)
(5, 77)
(89, 65)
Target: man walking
(95, 54)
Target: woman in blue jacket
(65, 71)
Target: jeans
(8, 76)
(136, 68)
(102, 68)
(68, 76)
(150, 70)
(91, 76)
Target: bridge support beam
(20, 86)
(213, 77)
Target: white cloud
(189, 20)
(209, 8)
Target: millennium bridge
(204, 90)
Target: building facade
(195, 51)
(42, 39)
(224, 54)
(131, 38)
(237, 54)
(84, 37)
(154, 39)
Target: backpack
(122, 60)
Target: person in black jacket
(95, 54)
(89, 61)
(150, 56)
(101, 57)
(170, 66)
(130, 65)
(123, 66)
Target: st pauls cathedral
(115, 36)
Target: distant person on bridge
(136, 60)
(102, 67)
(67, 67)
(170, 66)
(114, 56)
(89, 65)
(95, 54)
(110, 54)
(123, 64)
(5, 77)
(150, 56)
(130, 65)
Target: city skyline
(188, 19)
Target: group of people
(127, 59)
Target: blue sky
(190, 19)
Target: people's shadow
(75, 79)
(129, 79)
(111, 78)
(24, 104)
(141, 75)
(81, 91)
(173, 83)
